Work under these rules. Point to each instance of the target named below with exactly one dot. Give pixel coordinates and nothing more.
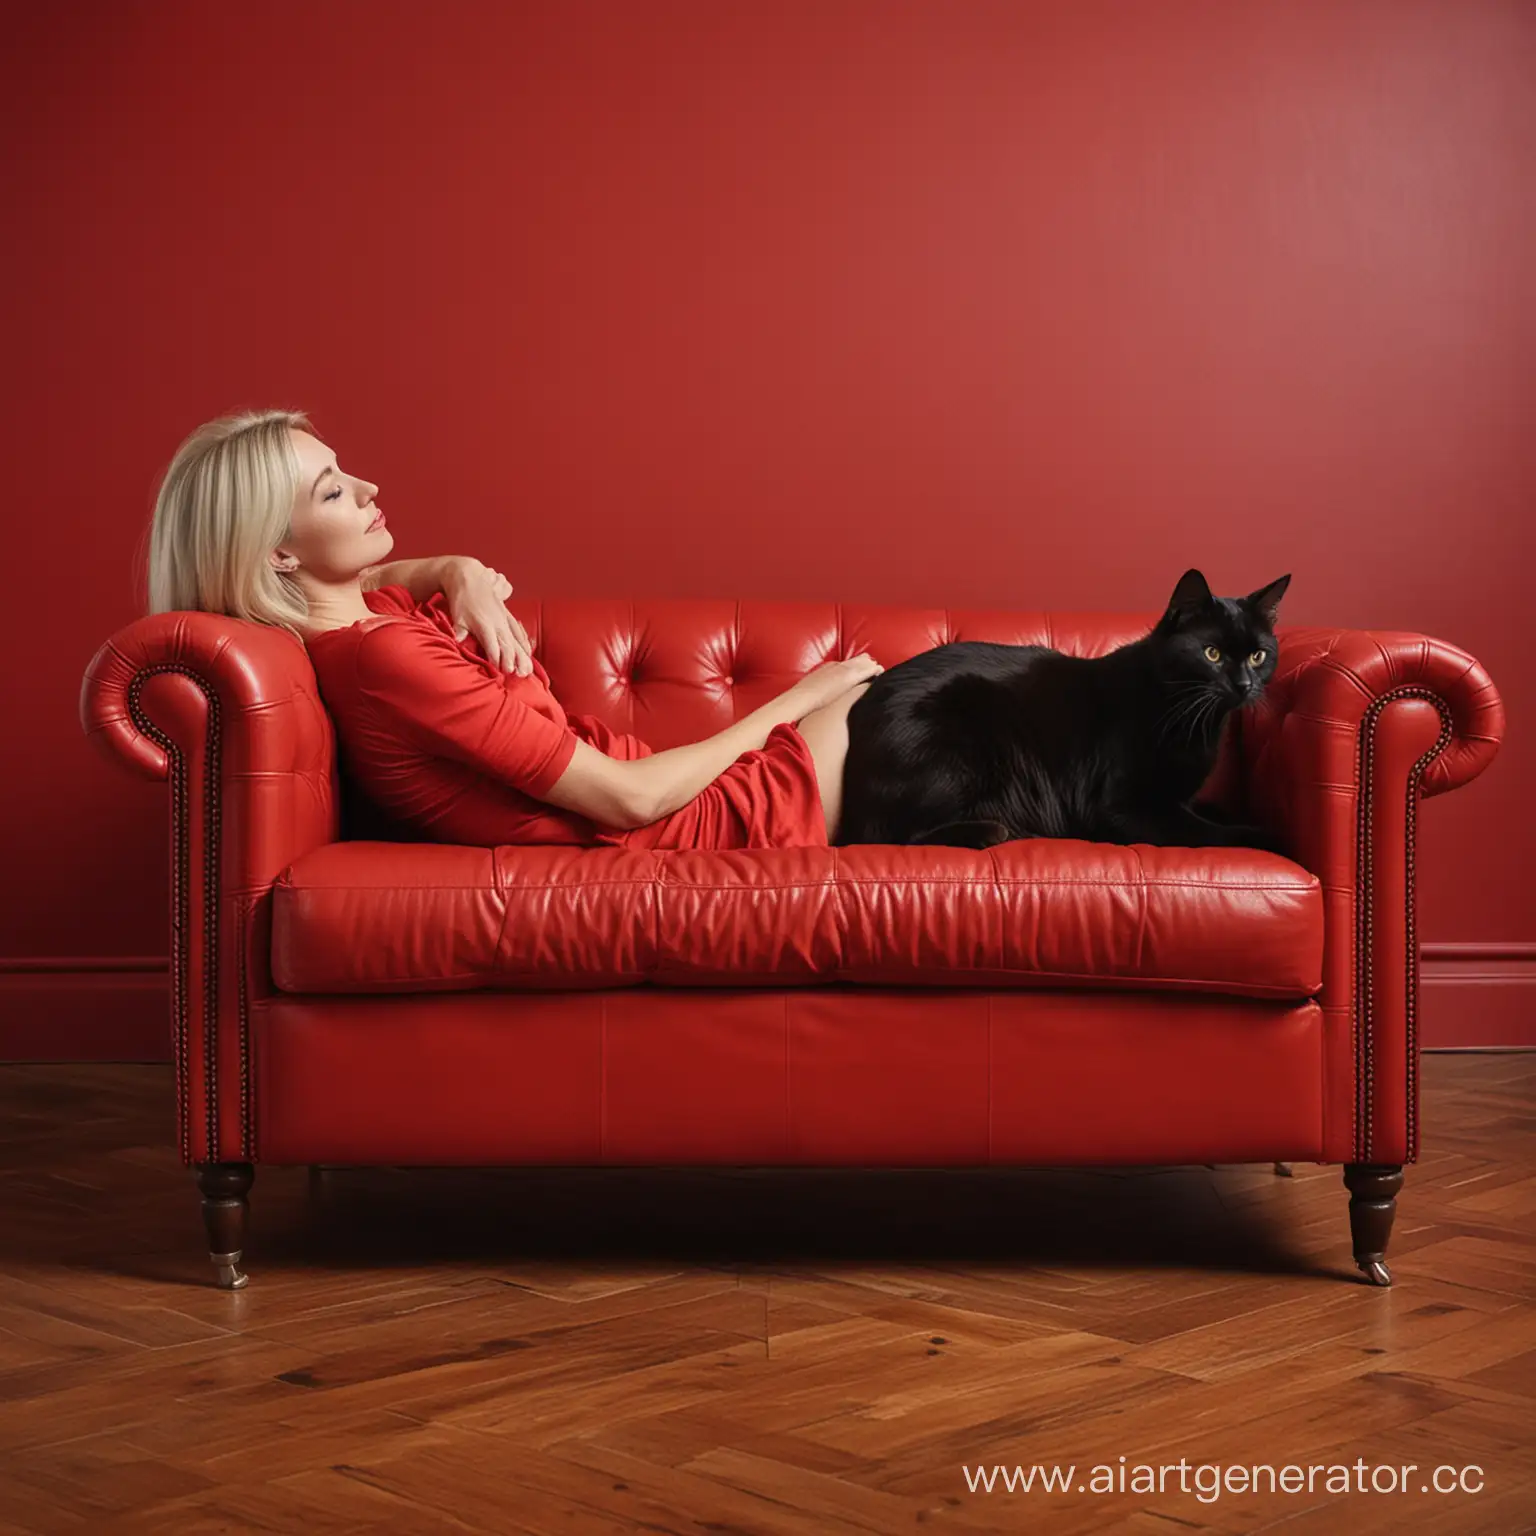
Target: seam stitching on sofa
(1144, 903)
(990, 1154)
(653, 892)
(1410, 947)
(808, 885)
(244, 927)
(1363, 1011)
(181, 878)
(840, 914)
(789, 1106)
(506, 906)
(1359, 1006)
(363, 986)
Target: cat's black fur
(973, 743)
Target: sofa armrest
(1355, 726)
(229, 712)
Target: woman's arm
(423, 689)
(646, 789)
(450, 708)
(634, 793)
(421, 578)
(476, 602)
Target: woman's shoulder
(384, 605)
(387, 646)
(391, 599)
(389, 642)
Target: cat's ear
(1190, 595)
(1266, 601)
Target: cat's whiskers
(1195, 720)
(1209, 711)
(1190, 702)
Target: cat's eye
(1257, 659)
(1213, 653)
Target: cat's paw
(964, 834)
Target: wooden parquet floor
(791, 1353)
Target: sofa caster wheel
(1283, 1170)
(224, 1187)
(1373, 1191)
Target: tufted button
(727, 681)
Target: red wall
(981, 304)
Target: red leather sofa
(354, 1000)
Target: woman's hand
(477, 604)
(832, 679)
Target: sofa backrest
(669, 670)
(674, 670)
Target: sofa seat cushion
(371, 917)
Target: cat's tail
(965, 834)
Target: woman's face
(337, 529)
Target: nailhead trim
(247, 1118)
(1362, 1014)
(180, 886)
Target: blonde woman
(446, 720)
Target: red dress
(459, 750)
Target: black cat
(973, 743)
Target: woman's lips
(378, 522)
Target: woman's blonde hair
(225, 503)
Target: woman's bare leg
(826, 734)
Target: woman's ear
(281, 561)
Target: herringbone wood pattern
(605, 1351)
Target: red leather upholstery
(1354, 727)
(372, 917)
(229, 713)
(848, 1005)
(879, 1076)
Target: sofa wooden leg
(1373, 1191)
(224, 1187)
